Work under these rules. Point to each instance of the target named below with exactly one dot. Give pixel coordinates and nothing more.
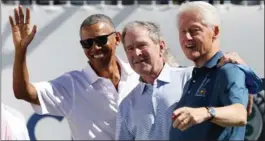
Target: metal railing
(126, 2)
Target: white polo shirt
(87, 101)
(13, 124)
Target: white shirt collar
(165, 74)
(92, 77)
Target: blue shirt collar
(208, 66)
(214, 60)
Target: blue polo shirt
(213, 86)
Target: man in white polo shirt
(87, 98)
(13, 125)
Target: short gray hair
(151, 27)
(96, 18)
(154, 34)
(209, 14)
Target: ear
(118, 38)
(162, 46)
(216, 31)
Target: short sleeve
(234, 83)
(55, 96)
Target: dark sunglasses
(99, 40)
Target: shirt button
(193, 81)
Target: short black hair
(96, 18)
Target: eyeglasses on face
(99, 40)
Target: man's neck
(150, 78)
(204, 59)
(111, 71)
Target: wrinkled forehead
(136, 34)
(94, 30)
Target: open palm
(21, 31)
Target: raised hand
(21, 30)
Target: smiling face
(144, 55)
(196, 38)
(103, 47)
